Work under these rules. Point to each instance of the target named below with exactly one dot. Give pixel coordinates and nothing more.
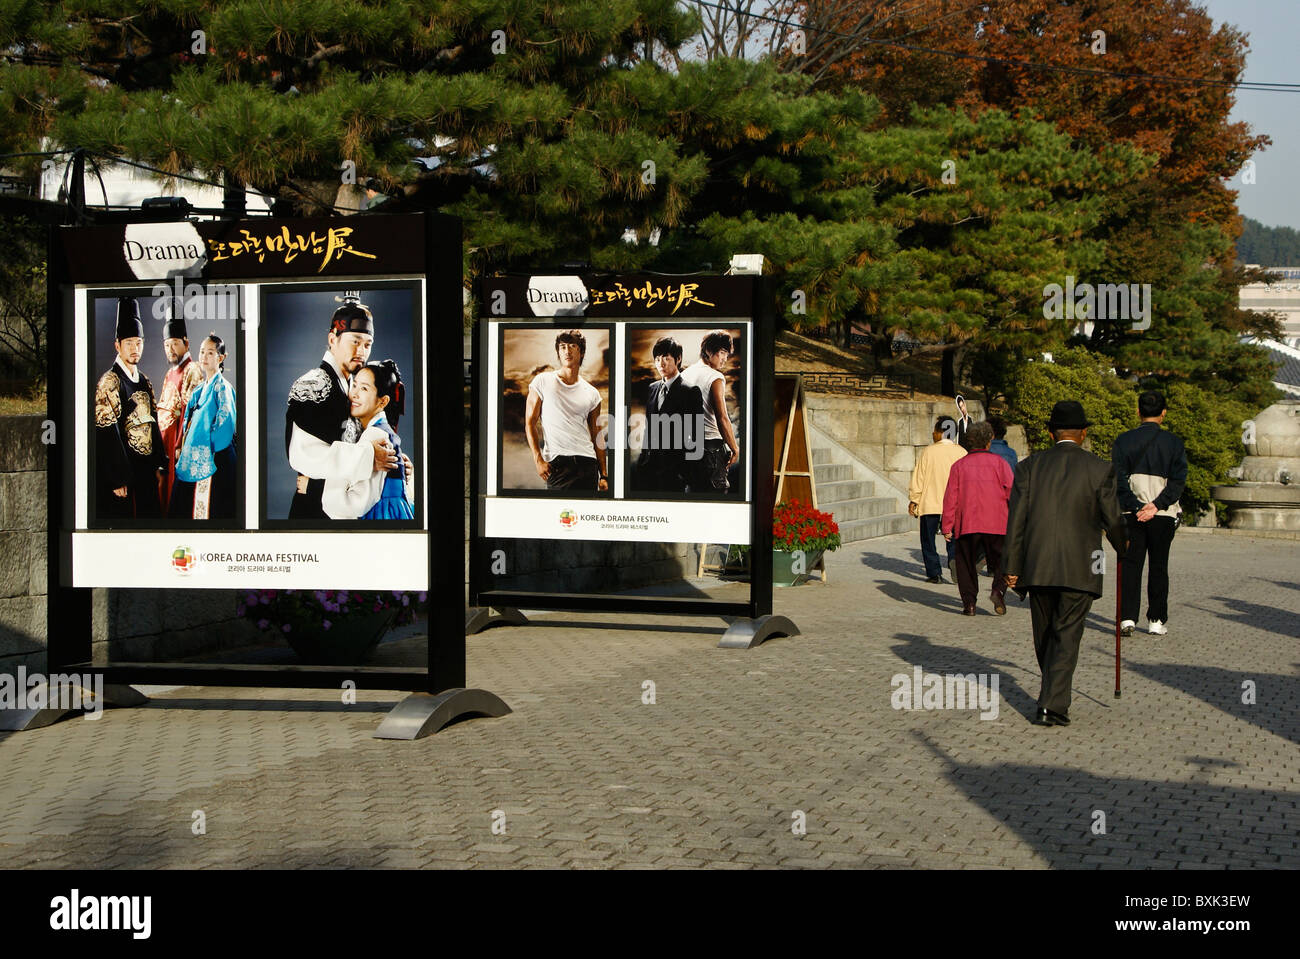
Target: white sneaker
(1126, 627)
(1157, 628)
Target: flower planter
(783, 564)
(348, 642)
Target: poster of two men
(661, 421)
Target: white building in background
(129, 186)
(1281, 297)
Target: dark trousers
(711, 469)
(1058, 616)
(307, 505)
(967, 556)
(929, 528)
(661, 471)
(141, 500)
(574, 472)
(1150, 539)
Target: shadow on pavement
(1277, 582)
(933, 658)
(272, 705)
(1255, 615)
(934, 595)
(892, 564)
(1054, 809)
(538, 622)
(1277, 698)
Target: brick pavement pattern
(738, 749)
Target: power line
(984, 58)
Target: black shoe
(1045, 717)
(934, 579)
(999, 606)
(968, 610)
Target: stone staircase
(847, 489)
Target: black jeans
(1151, 539)
(573, 472)
(711, 469)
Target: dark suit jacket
(684, 402)
(1062, 500)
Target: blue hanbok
(205, 459)
(382, 495)
(394, 501)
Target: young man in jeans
(560, 421)
(925, 491)
(1151, 469)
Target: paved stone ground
(736, 746)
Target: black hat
(352, 317)
(1068, 415)
(174, 325)
(128, 319)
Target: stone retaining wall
(22, 544)
(888, 435)
(126, 625)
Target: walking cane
(1119, 586)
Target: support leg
(60, 703)
(748, 633)
(479, 618)
(423, 714)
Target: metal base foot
(479, 618)
(17, 720)
(423, 714)
(748, 633)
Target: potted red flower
(800, 535)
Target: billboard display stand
(479, 618)
(617, 421)
(252, 411)
(35, 717)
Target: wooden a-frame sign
(793, 476)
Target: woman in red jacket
(975, 515)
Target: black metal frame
(759, 466)
(68, 609)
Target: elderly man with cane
(1062, 500)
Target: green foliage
(550, 128)
(1109, 402)
(23, 344)
(1210, 426)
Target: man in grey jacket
(1151, 467)
(1062, 500)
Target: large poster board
(622, 408)
(250, 405)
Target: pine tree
(1090, 68)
